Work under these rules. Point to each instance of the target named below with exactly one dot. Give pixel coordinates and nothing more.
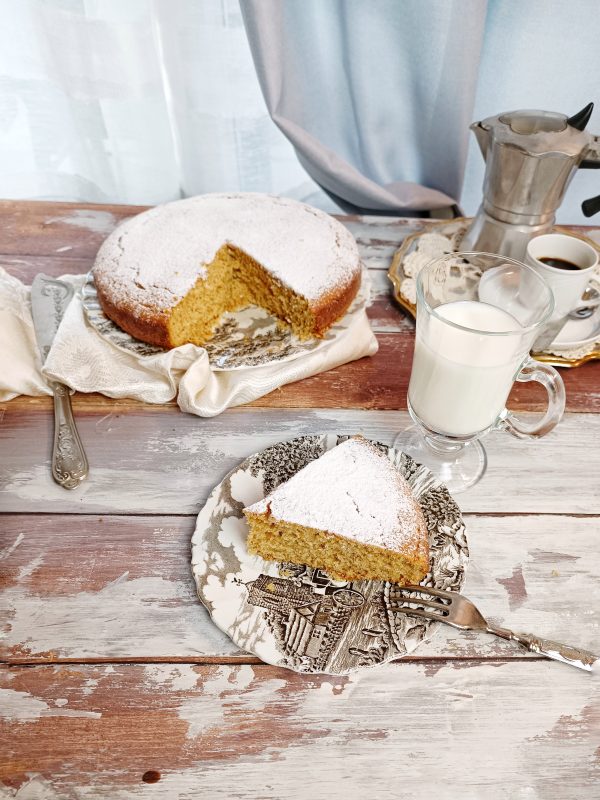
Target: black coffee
(559, 263)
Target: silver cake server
(49, 301)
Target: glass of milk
(478, 315)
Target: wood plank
(509, 730)
(71, 230)
(165, 462)
(369, 383)
(379, 382)
(76, 230)
(129, 594)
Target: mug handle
(533, 370)
(595, 282)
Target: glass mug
(478, 315)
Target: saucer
(579, 332)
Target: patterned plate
(297, 617)
(250, 337)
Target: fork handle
(574, 656)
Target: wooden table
(113, 676)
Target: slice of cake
(168, 275)
(350, 513)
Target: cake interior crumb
(345, 559)
(233, 281)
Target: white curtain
(135, 101)
(145, 101)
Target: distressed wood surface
(113, 670)
(75, 230)
(457, 730)
(536, 573)
(379, 382)
(58, 238)
(163, 462)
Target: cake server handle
(69, 462)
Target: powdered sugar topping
(155, 258)
(352, 490)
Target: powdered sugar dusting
(352, 490)
(155, 258)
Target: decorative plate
(250, 337)
(572, 348)
(297, 617)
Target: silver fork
(456, 610)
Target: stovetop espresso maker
(531, 157)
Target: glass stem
(443, 446)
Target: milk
(460, 378)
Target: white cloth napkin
(87, 362)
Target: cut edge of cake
(168, 275)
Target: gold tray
(455, 230)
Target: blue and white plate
(247, 338)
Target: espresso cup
(568, 265)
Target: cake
(349, 512)
(167, 275)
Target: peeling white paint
(36, 788)
(63, 249)
(469, 731)
(28, 569)
(90, 219)
(194, 455)
(18, 706)
(163, 617)
(242, 676)
(90, 686)
(175, 677)
(117, 581)
(5, 552)
(153, 612)
(224, 694)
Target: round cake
(166, 276)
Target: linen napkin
(86, 361)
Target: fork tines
(429, 604)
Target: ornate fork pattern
(458, 611)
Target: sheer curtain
(145, 101)
(135, 101)
(376, 97)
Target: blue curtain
(377, 95)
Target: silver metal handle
(69, 462)
(574, 656)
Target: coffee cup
(568, 265)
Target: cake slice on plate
(349, 512)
